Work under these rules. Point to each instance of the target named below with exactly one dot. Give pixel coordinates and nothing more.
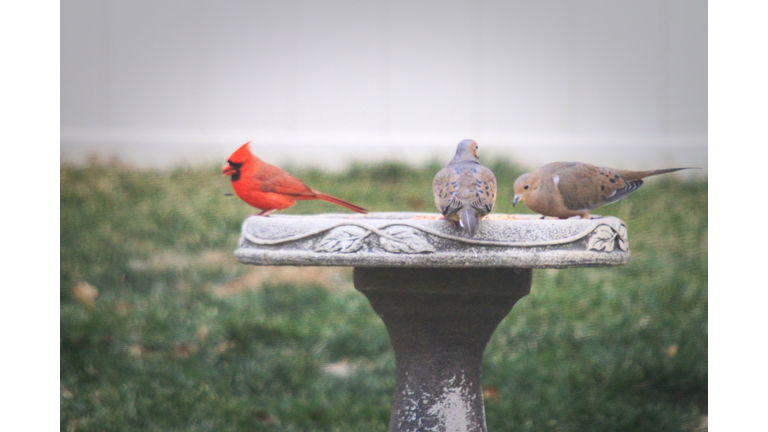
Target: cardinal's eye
(525, 187)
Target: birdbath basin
(440, 294)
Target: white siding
(378, 74)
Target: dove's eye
(525, 187)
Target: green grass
(605, 349)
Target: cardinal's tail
(341, 202)
(469, 220)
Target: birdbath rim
(391, 239)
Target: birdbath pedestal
(440, 294)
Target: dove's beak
(514, 201)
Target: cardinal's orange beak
(228, 170)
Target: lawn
(183, 337)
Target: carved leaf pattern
(622, 239)
(345, 239)
(603, 238)
(406, 240)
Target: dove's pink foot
(452, 221)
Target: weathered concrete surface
(439, 321)
(440, 294)
(423, 240)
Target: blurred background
(162, 329)
(159, 83)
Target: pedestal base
(439, 321)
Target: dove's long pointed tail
(469, 220)
(637, 175)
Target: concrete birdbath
(440, 294)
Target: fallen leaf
(202, 333)
(672, 350)
(122, 307)
(66, 394)
(223, 346)
(135, 350)
(264, 417)
(491, 393)
(340, 368)
(85, 293)
(184, 349)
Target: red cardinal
(267, 187)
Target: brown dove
(465, 190)
(566, 189)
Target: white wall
(323, 82)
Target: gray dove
(465, 190)
(566, 189)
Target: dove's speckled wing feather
(586, 187)
(465, 184)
